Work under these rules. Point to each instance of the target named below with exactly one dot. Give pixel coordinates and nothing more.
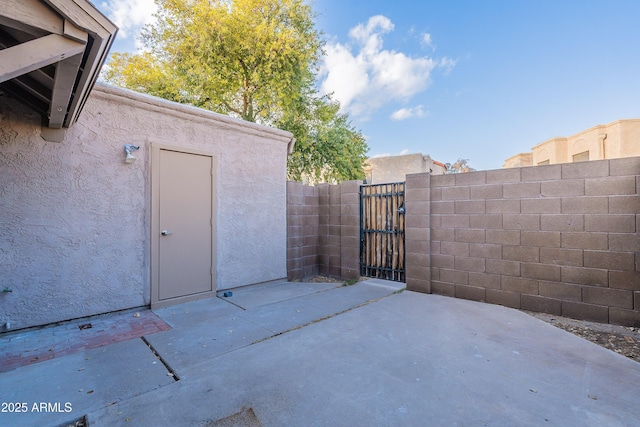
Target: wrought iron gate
(382, 231)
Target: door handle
(165, 232)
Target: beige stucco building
(381, 170)
(111, 199)
(82, 230)
(614, 140)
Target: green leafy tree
(328, 148)
(252, 59)
(143, 73)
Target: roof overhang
(51, 53)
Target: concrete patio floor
(316, 354)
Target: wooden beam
(101, 32)
(84, 15)
(26, 57)
(75, 33)
(66, 74)
(31, 16)
(95, 58)
(33, 88)
(21, 94)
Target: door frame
(156, 148)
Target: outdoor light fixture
(128, 148)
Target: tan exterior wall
(519, 160)
(382, 170)
(616, 140)
(75, 218)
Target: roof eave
(51, 54)
(103, 32)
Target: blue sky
(481, 80)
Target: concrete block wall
(330, 240)
(418, 232)
(350, 229)
(561, 239)
(303, 231)
(323, 230)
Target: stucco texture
(75, 219)
(615, 140)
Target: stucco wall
(382, 170)
(618, 139)
(75, 219)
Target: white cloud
(407, 113)
(370, 35)
(447, 64)
(346, 75)
(371, 76)
(130, 15)
(426, 40)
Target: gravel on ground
(624, 340)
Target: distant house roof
(442, 165)
(51, 52)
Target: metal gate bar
(382, 221)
